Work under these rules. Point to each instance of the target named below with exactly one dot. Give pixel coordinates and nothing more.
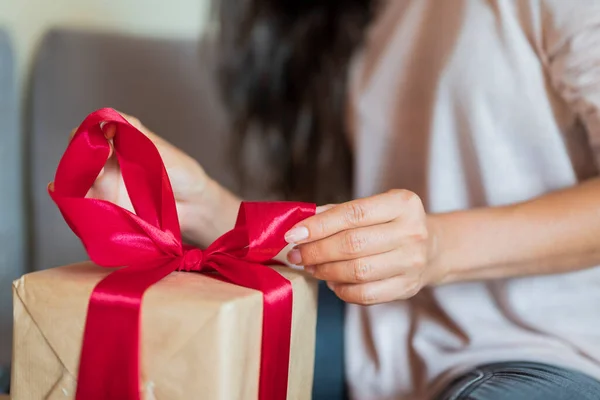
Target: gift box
(154, 318)
(200, 336)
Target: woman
(469, 130)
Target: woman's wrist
(438, 270)
(209, 214)
(466, 244)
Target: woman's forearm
(555, 233)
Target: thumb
(109, 130)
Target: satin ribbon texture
(148, 242)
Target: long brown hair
(284, 70)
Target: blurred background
(62, 59)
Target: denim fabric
(522, 381)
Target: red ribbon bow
(149, 243)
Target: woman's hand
(205, 209)
(372, 250)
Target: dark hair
(284, 70)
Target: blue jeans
(522, 381)
(500, 381)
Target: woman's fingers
(322, 209)
(109, 130)
(369, 251)
(106, 185)
(347, 245)
(371, 268)
(358, 213)
(109, 184)
(109, 133)
(399, 287)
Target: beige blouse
(476, 103)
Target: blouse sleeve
(571, 41)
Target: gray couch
(11, 200)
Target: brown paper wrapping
(200, 336)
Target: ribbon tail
(109, 366)
(277, 319)
(276, 341)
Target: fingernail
(295, 257)
(310, 269)
(296, 234)
(320, 209)
(108, 129)
(331, 285)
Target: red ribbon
(149, 243)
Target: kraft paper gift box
(140, 329)
(200, 336)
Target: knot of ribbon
(149, 244)
(192, 261)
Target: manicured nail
(295, 257)
(320, 209)
(310, 269)
(296, 234)
(109, 129)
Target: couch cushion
(167, 84)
